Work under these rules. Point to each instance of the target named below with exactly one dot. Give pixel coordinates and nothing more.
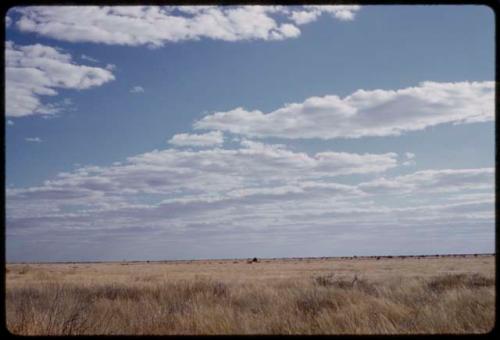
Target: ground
(446, 294)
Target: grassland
(293, 296)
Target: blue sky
(407, 166)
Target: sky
(195, 132)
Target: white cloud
(206, 139)
(411, 162)
(33, 139)
(447, 180)
(341, 12)
(410, 159)
(8, 21)
(221, 174)
(154, 26)
(409, 155)
(105, 202)
(37, 70)
(304, 17)
(311, 13)
(248, 189)
(255, 189)
(364, 113)
(86, 57)
(137, 89)
(10, 122)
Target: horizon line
(259, 258)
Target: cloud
(311, 13)
(86, 57)
(206, 139)
(341, 12)
(447, 180)
(85, 205)
(411, 162)
(33, 139)
(364, 113)
(202, 176)
(37, 70)
(247, 188)
(304, 17)
(255, 191)
(137, 89)
(10, 122)
(409, 155)
(154, 26)
(410, 159)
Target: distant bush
(24, 270)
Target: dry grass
(309, 296)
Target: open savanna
(278, 296)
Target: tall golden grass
(271, 297)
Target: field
(278, 296)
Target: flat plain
(426, 295)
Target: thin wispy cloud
(86, 57)
(409, 155)
(33, 139)
(410, 159)
(137, 89)
(447, 180)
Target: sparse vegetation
(272, 298)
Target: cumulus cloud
(206, 139)
(32, 71)
(33, 139)
(156, 25)
(341, 12)
(310, 13)
(304, 17)
(364, 113)
(137, 89)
